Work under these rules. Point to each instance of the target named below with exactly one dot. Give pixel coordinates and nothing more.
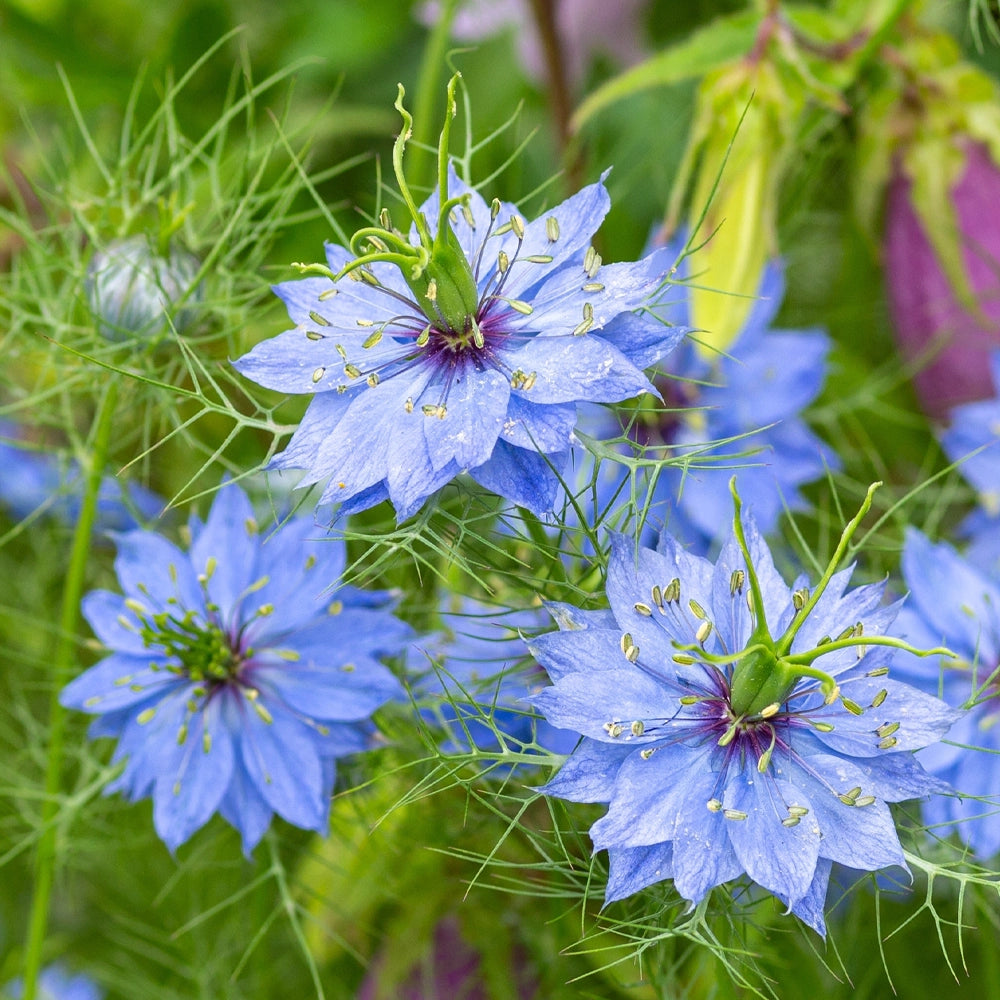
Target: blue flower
(480, 661)
(957, 604)
(36, 482)
(749, 399)
(235, 677)
(462, 347)
(56, 983)
(972, 439)
(721, 750)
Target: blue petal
(780, 858)
(634, 868)
(545, 428)
(703, 853)
(228, 540)
(476, 402)
(563, 653)
(649, 794)
(104, 611)
(809, 909)
(570, 369)
(157, 573)
(862, 837)
(333, 693)
(281, 759)
(184, 798)
(586, 702)
(524, 477)
(118, 681)
(244, 807)
(589, 773)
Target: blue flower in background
(56, 983)
(954, 603)
(972, 439)
(750, 399)
(235, 676)
(36, 482)
(480, 661)
(464, 346)
(721, 750)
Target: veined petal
(522, 476)
(781, 858)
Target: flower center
(203, 649)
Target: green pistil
(436, 270)
(203, 650)
(767, 671)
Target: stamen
(613, 729)
(372, 339)
(736, 581)
(318, 374)
(886, 729)
(799, 598)
(713, 805)
(638, 727)
(697, 610)
(552, 228)
(643, 609)
(734, 814)
(517, 224)
(317, 318)
(879, 698)
(313, 335)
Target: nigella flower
(235, 677)
(955, 603)
(749, 399)
(478, 667)
(55, 982)
(36, 482)
(464, 346)
(734, 724)
(973, 439)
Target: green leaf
(718, 43)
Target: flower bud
(738, 140)
(131, 290)
(949, 331)
(929, 150)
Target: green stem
(784, 644)
(62, 663)
(427, 88)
